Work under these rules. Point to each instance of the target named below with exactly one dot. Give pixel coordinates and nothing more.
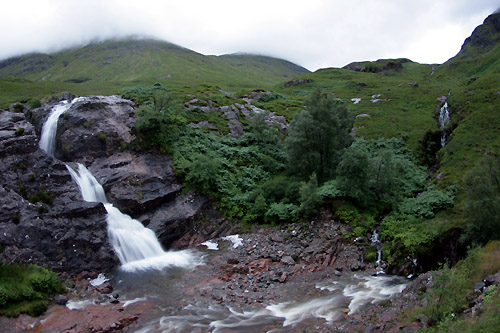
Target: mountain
(123, 62)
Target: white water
(136, 246)
(444, 120)
(376, 242)
(285, 317)
(49, 128)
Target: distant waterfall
(136, 246)
(376, 242)
(444, 120)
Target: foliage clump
(25, 289)
(482, 206)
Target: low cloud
(314, 34)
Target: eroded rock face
(57, 228)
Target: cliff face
(44, 219)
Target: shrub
(18, 108)
(428, 202)
(24, 289)
(35, 103)
(482, 206)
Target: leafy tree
(354, 172)
(381, 172)
(317, 135)
(482, 185)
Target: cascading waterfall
(376, 242)
(444, 120)
(136, 246)
(49, 128)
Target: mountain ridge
(133, 59)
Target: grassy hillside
(106, 67)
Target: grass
(106, 67)
(25, 289)
(453, 288)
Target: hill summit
(133, 59)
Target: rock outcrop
(44, 219)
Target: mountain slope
(148, 60)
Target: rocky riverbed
(301, 273)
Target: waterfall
(135, 245)
(444, 120)
(49, 128)
(376, 242)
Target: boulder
(95, 127)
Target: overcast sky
(312, 33)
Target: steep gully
(148, 272)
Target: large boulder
(95, 127)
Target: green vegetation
(454, 287)
(107, 67)
(25, 289)
(317, 135)
(482, 209)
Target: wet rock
(61, 299)
(105, 288)
(478, 287)
(93, 128)
(57, 228)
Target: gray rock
(288, 260)
(60, 299)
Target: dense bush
(482, 206)
(25, 289)
(379, 174)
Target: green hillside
(104, 68)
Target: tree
(317, 135)
(354, 172)
(158, 119)
(309, 197)
(381, 172)
(482, 207)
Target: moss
(19, 131)
(15, 219)
(101, 136)
(371, 254)
(41, 196)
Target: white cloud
(314, 33)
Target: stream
(188, 292)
